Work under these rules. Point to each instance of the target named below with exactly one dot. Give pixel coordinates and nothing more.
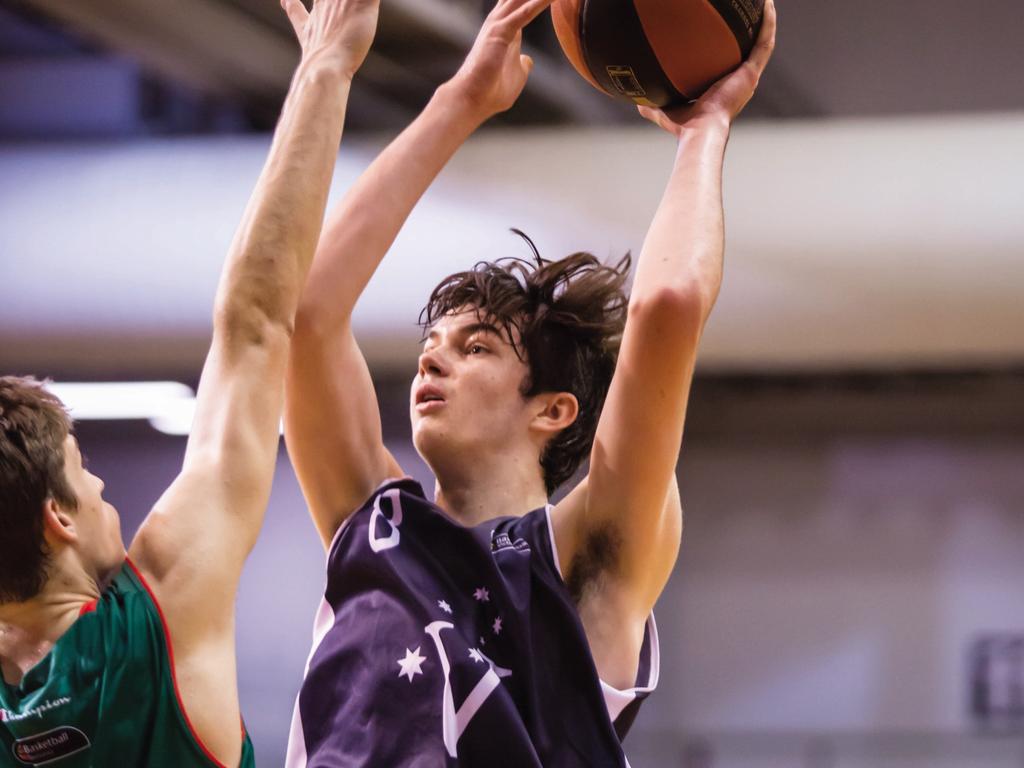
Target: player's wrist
(328, 66)
(707, 122)
(459, 107)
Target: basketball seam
(581, 33)
(601, 76)
(744, 40)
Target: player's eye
(476, 349)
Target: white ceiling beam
(850, 244)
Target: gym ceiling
(222, 66)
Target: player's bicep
(332, 426)
(200, 531)
(651, 578)
(190, 550)
(235, 435)
(636, 447)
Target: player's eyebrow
(472, 328)
(469, 330)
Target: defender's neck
(29, 629)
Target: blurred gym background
(850, 592)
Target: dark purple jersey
(441, 645)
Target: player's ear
(555, 411)
(58, 524)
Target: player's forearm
(683, 251)
(273, 246)
(361, 229)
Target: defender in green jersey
(107, 661)
(109, 678)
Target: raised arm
(332, 420)
(629, 503)
(192, 546)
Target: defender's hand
(495, 72)
(725, 99)
(341, 30)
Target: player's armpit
(596, 553)
(613, 600)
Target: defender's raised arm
(192, 546)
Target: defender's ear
(555, 412)
(58, 524)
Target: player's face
(465, 398)
(97, 522)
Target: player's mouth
(428, 399)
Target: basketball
(658, 53)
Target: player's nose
(432, 362)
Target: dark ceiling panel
(870, 58)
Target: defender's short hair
(33, 427)
(564, 319)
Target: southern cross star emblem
(482, 595)
(476, 656)
(412, 664)
(496, 626)
(443, 605)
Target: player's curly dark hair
(33, 427)
(567, 317)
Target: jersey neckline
(409, 479)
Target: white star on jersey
(476, 656)
(496, 626)
(443, 605)
(482, 595)
(412, 663)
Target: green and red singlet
(105, 695)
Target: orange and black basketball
(656, 52)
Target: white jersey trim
(554, 545)
(296, 755)
(615, 699)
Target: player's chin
(421, 429)
(428, 436)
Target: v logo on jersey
(455, 722)
(378, 543)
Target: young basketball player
(490, 628)
(109, 661)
